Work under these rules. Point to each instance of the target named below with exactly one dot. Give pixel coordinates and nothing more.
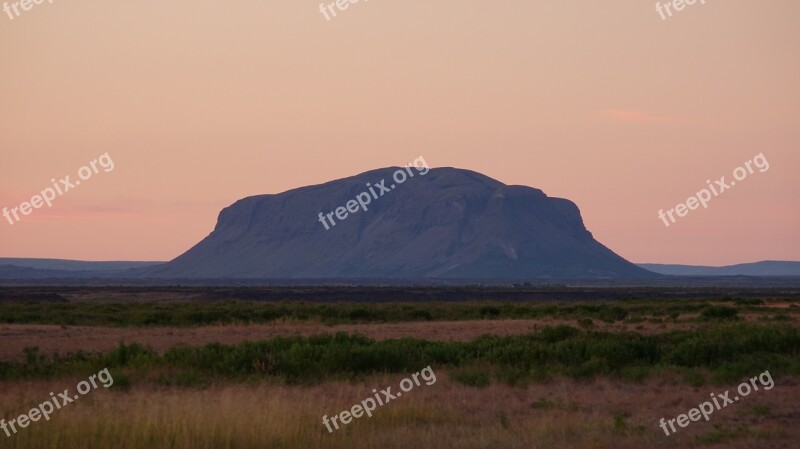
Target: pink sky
(202, 103)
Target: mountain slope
(764, 268)
(448, 223)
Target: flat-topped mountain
(443, 223)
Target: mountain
(442, 223)
(764, 268)
(21, 268)
(72, 265)
(16, 272)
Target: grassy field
(576, 375)
(188, 314)
(556, 414)
(722, 352)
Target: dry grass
(560, 414)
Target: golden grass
(561, 414)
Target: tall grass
(267, 416)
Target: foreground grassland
(583, 375)
(558, 414)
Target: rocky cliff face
(448, 223)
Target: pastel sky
(200, 103)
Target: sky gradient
(202, 103)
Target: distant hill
(17, 268)
(73, 265)
(15, 272)
(446, 224)
(765, 268)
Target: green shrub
(489, 311)
(723, 352)
(121, 382)
(719, 313)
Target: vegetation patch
(726, 351)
